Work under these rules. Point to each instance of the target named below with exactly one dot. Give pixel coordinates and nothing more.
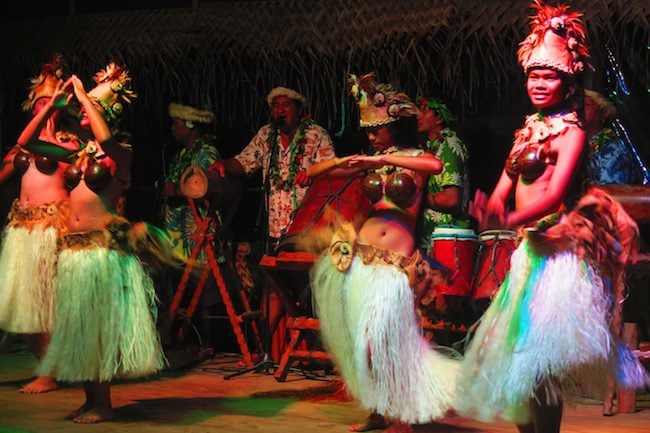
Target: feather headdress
(379, 103)
(556, 41)
(44, 84)
(113, 87)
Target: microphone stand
(159, 185)
(266, 363)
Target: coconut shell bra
(531, 152)
(89, 166)
(399, 187)
(45, 164)
(46, 155)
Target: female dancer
(104, 325)
(364, 284)
(29, 247)
(546, 336)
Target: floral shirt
(453, 154)
(316, 147)
(611, 161)
(179, 220)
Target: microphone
(278, 122)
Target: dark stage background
(226, 56)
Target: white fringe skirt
(28, 267)
(548, 326)
(104, 326)
(369, 325)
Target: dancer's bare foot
(94, 415)
(39, 385)
(79, 411)
(373, 422)
(607, 407)
(399, 427)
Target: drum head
(194, 183)
(329, 202)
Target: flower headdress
(113, 87)
(44, 84)
(289, 93)
(190, 114)
(556, 41)
(438, 107)
(379, 103)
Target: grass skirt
(549, 325)
(105, 318)
(369, 325)
(28, 268)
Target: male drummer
(283, 149)
(447, 192)
(446, 200)
(190, 128)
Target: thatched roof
(227, 55)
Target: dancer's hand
(62, 94)
(219, 167)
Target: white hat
(190, 114)
(289, 93)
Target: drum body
(329, 202)
(493, 262)
(455, 249)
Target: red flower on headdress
(556, 41)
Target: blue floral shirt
(179, 220)
(611, 161)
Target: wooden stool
(300, 327)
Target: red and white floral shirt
(317, 147)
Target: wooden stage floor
(198, 400)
